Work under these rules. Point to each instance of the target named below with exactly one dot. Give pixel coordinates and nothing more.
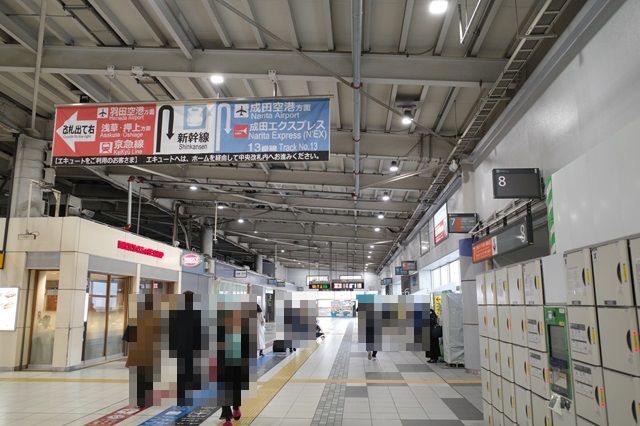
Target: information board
(516, 235)
(8, 308)
(462, 223)
(319, 286)
(387, 281)
(517, 183)
(207, 131)
(400, 271)
(240, 274)
(440, 228)
(409, 265)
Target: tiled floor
(336, 385)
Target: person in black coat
(435, 332)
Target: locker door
(539, 373)
(541, 412)
(498, 419)
(480, 290)
(623, 398)
(483, 321)
(533, 287)
(492, 322)
(579, 278)
(484, 353)
(612, 275)
(487, 413)
(506, 361)
(619, 339)
(490, 288)
(504, 323)
(494, 356)
(516, 285)
(588, 388)
(521, 368)
(496, 391)
(634, 247)
(524, 411)
(502, 286)
(509, 399)
(518, 325)
(536, 336)
(582, 422)
(583, 334)
(485, 376)
(567, 418)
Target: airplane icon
(103, 112)
(239, 111)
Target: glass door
(44, 318)
(117, 315)
(96, 317)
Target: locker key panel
(498, 418)
(506, 361)
(491, 296)
(492, 322)
(518, 326)
(516, 285)
(541, 411)
(485, 376)
(504, 323)
(634, 249)
(494, 356)
(496, 391)
(521, 369)
(484, 353)
(502, 287)
(536, 336)
(524, 410)
(584, 337)
(539, 374)
(533, 285)
(612, 274)
(619, 339)
(509, 399)
(623, 395)
(589, 391)
(481, 294)
(580, 289)
(483, 320)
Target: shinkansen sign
(225, 131)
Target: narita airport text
(281, 147)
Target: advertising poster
(440, 226)
(193, 132)
(8, 308)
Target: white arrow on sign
(227, 129)
(74, 130)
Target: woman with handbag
(435, 334)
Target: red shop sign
(483, 250)
(123, 245)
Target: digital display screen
(558, 344)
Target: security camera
(453, 166)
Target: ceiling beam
(54, 28)
(418, 113)
(336, 103)
(444, 30)
(214, 16)
(366, 25)
(295, 232)
(392, 102)
(173, 27)
(255, 64)
(248, 7)
(446, 108)
(406, 24)
(18, 32)
(153, 29)
(89, 87)
(288, 16)
(328, 24)
(112, 20)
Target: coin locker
(496, 391)
(589, 393)
(483, 320)
(524, 410)
(494, 356)
(521, 369)
(582, 422)
(567, 418)
(533, 286)
(507, 422)
(502, 287)
(634, 249)
(516, 285)
(623, 398)
(490, 288)
(504, 323)
(583, 334)
(487, 413)
(484, 353)
(580, 289)
(612, 274)
(536, 336)
(506, 361)
(619, 339)
(498, 418)
(485, 376)
(492, 322)
(509, 399)
(541, 411)
(481, 294)
(518, 325)
(539, 373)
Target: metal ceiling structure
(377, 59)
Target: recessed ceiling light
(370, 252)
(255, 232)
(368, 257)
(407, 118)
(371, 246)
(241, 220)
(380, 216)
(216, 79)
(193, 187)
(281, 251)
(220, 207)
(438, 7)
(385, 197)
(394, 164)
(376, 229)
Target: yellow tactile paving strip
(61, 380)
(389, 382)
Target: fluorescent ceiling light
(380, 216)
(241, 220)
(438, 7)
(216, 79)
(394, 164)
(220, 207)
(386, 197)
(376, 229)
(193, 187)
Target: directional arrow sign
(74, 130)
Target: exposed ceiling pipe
(36, 79)
(356, 50)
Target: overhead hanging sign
(440, 226)
(516, 235)
(462, 223)
(517, 183)
(192, 132)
